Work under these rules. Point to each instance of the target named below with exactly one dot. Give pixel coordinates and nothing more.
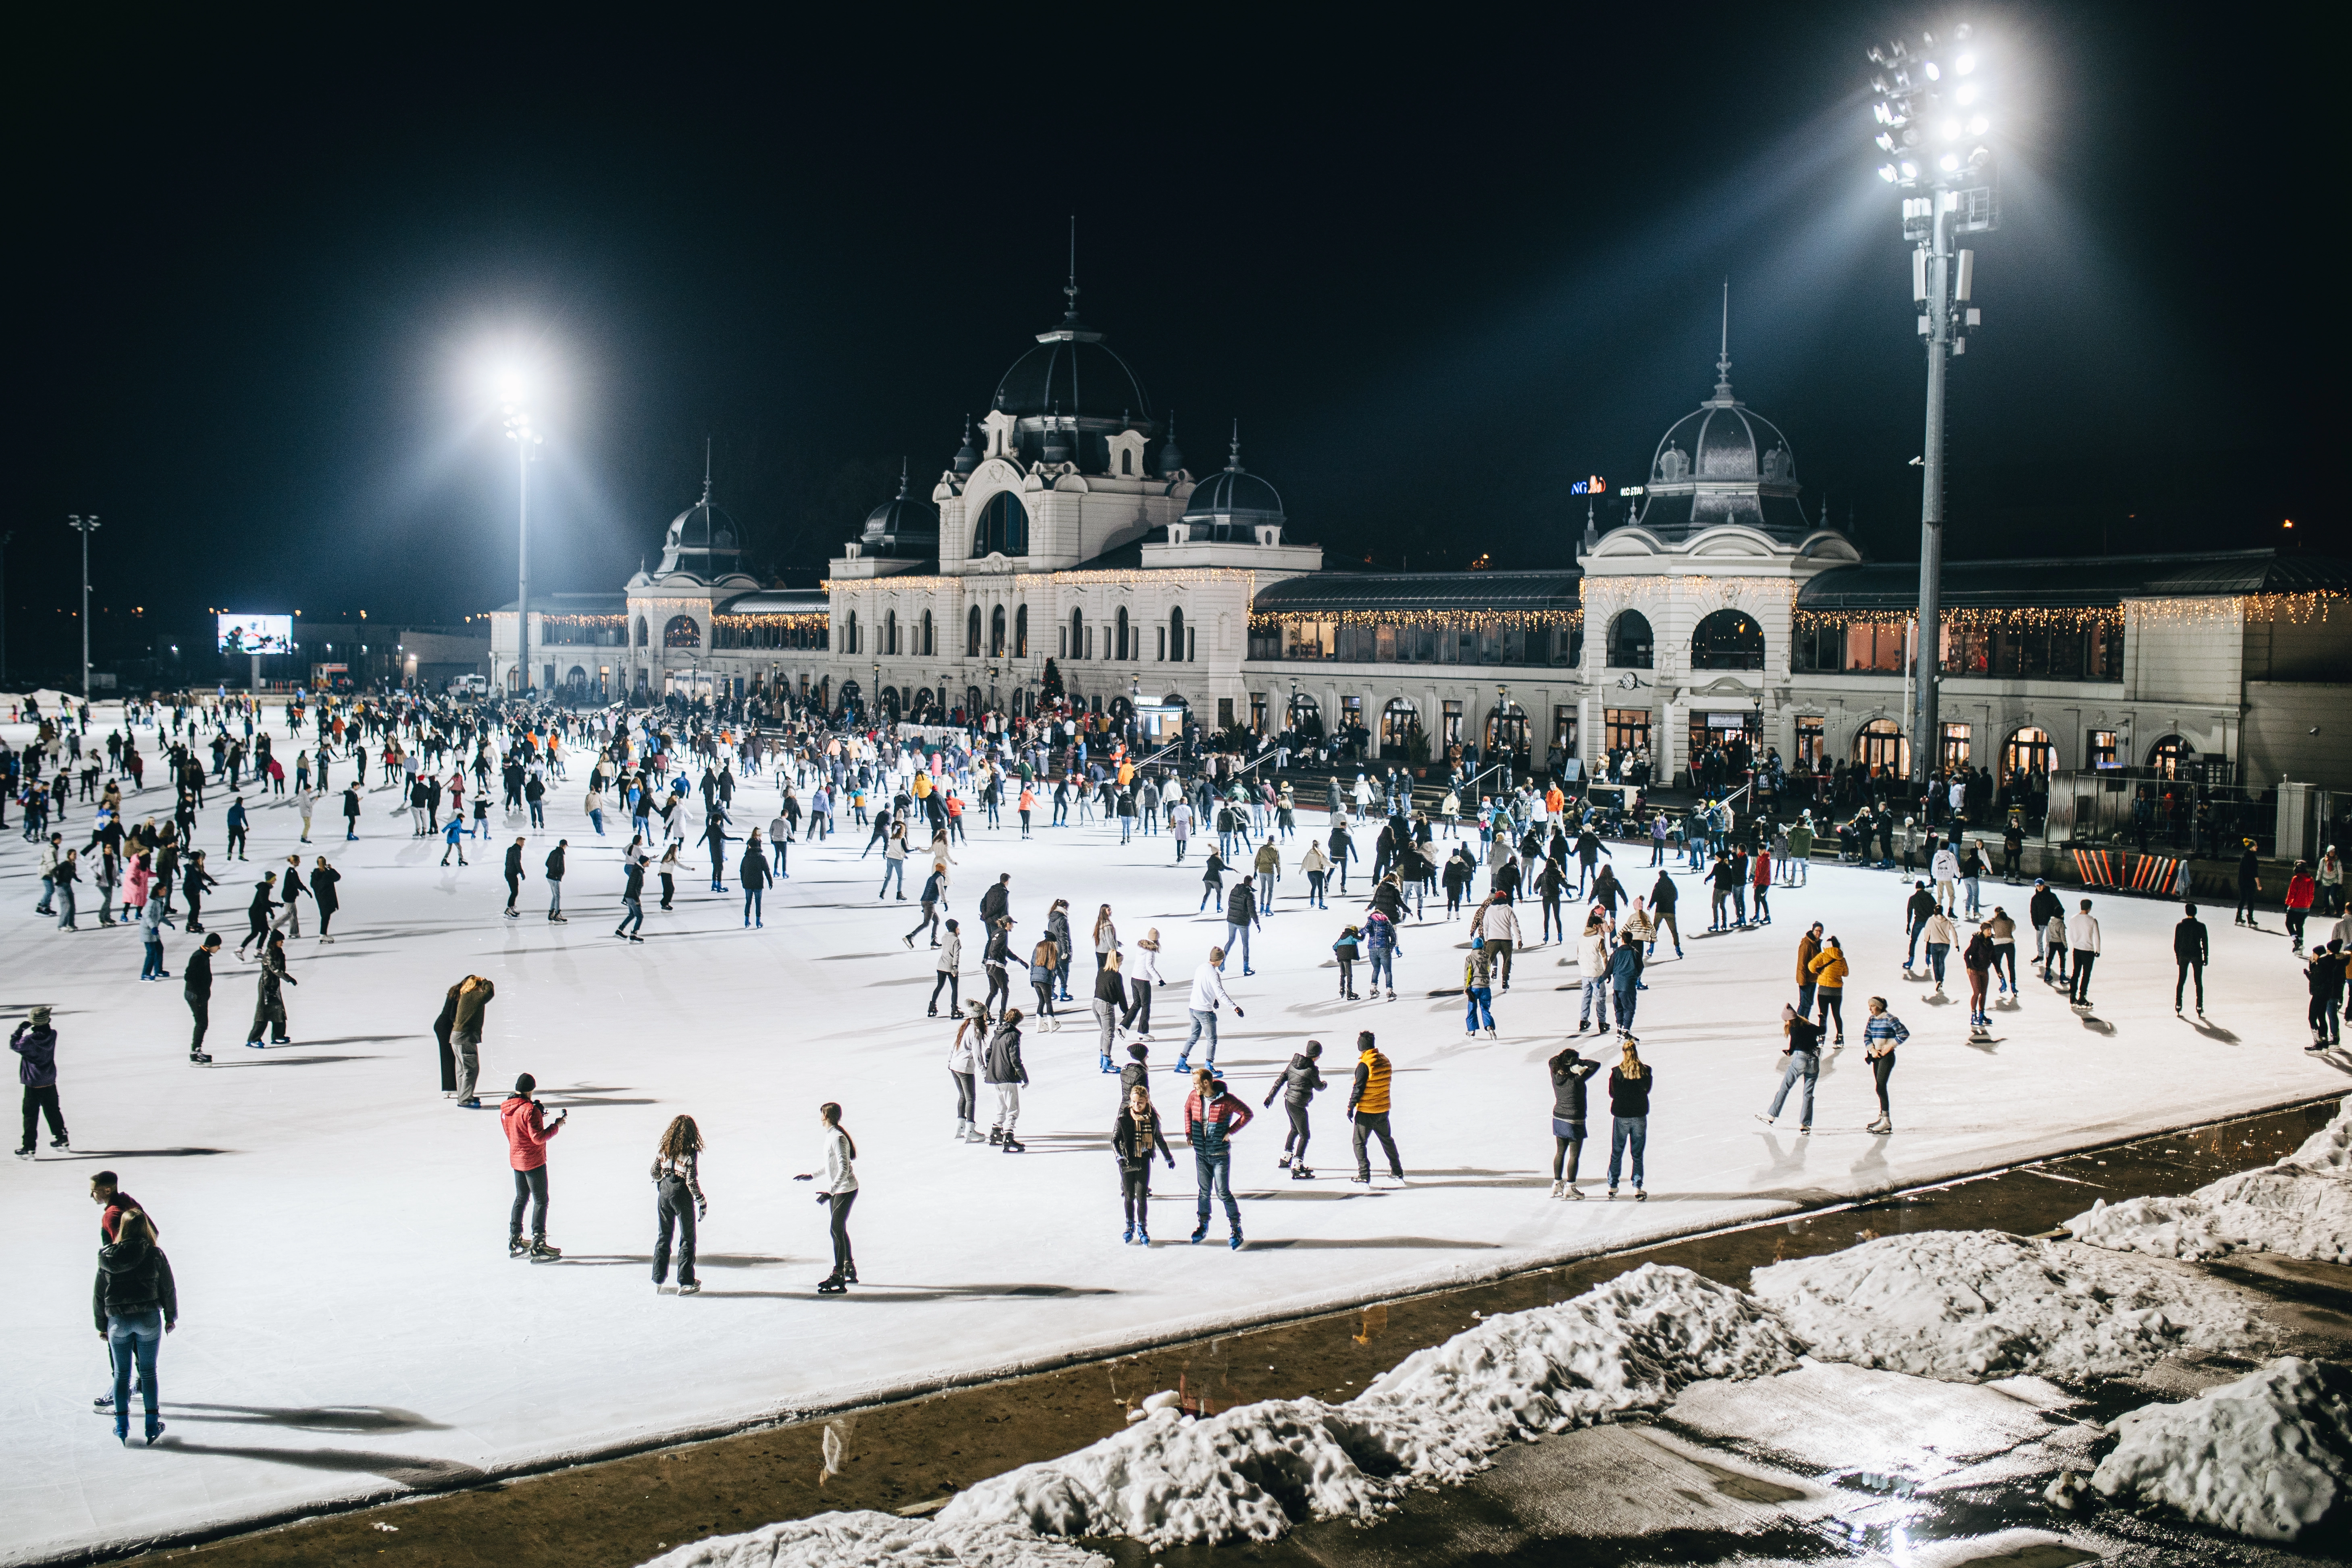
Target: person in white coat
(948, 966)
(1946, 869)
(1592, 960)
(2082, 932)
(840, 1191)
(1208, 995)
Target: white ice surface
(1970, 1305)
(2268, 1455)
(352, 1325)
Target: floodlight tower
(519, 431)
(85, 526)
(1933, 123)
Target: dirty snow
(1628, 1345)
(1968, 1306)
(877, 1541)
(2267, 1455)
(2300, 1207)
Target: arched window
(972, 633)
(1021, 632)
(1078, 648)
(1003, 527)
(1507, 728)
(1306, 717)
(930, 640)
(1629, 641)
(890, 631)
(681, 632)
(1880, 745)
(1727, 640)
(1176, 635)
(849, 642)
(2173, 757)
(641, 631)
(996, 632)
(1127, 462)
(1122, 632)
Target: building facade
(1070, 527)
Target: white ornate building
(1075, 529)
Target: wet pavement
(1823, 1465)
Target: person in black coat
(195, 883)
(269, 1000)
(258, 912)
(135, 1303)
(1296, 1084)
(2190, 952)
(751, 875)
(1133, 1137)
(196, 986)
(323, 878)
(514, 873)
(1570, 1069)
(443, 1028)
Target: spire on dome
(1171, 456)
(706, 471)
(1723, 359)
(1233, 455)
(1070, 289)
(967, 457)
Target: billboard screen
(256, 634)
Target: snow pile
(2267, 1455)
(1969, 1306)
(877, 1541)
(2300, 1207)
(1250, 1472)
(2270, 1210)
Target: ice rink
(351, 1322)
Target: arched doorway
(1631, 645)
(1879, 745)
(2028, 752)
(2173, 757)
(849, 694)
(1306, 717)
(891, 705)
(1727, 640)
(1506, 730)
(1399, 721)
(681, 632)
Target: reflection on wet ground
(1829, 1464)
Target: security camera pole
(1932, 123)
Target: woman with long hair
(1106, 938)
(1132, 1139)
(840, 1191)
(136, 1304)
(1629, 1112)
(676, 1180)
(963, 1067)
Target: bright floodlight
(1965, 64)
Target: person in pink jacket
(528, 1131)
(135, 883)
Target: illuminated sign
(1633, 490)
(1595, 486)
(256, 634)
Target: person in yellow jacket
(1368, 1108)
(1828, 969)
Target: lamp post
(85, 526)
(519, 431)
(1932, 125)
(6, 539)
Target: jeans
(753, 908)
(1804, 999)
(1936, 953)
(531, 1186)
(49, 894)
(1107, 1014)
(1973, 886)
(951, 982)
(634, 918)
(1215, 1173)
(1384, 964)
(1372, 1124)
(2188, 967)
(468, 1048)
(1481, 1002)
(893, 868)
(1238, 937)
(1203, 1023)
(151, 967)
(133, 1338)
(1806, 1065)
(1294, 1143)
(2082, 988)
(1596, 999)
(674, 1210)
(1626, 997)
(1266, 889)
(1623, 1130)
(554, 897)
(1315, 888)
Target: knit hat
(1139, 1051)
(38, 1018)
(525, 1084)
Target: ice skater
(1369, 1102)
(1133, 1137)
(1570, 1069)
(35, 1045)
(524, 1121)
(269, 995)
(840, 1191)
(1212, 1117)
(196, 989)
(1001, 1069)
(1297, 1085)
(1801, 1058)
(1880, 1035)
(679, 1203)
(135, 1304)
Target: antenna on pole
(1070, 289)
(706, 471)
(1723, 355)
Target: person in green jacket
(1800, 850)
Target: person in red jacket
(2301, 892)
(528, 1131)
(1212, 1117)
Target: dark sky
(1436, 264)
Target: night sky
(1436, 264)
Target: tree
(1050, 689)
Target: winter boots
(995, 1135)
(1012, 1145)
(833, 1285)
(536, 1249)
(1299, 1173)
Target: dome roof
(1233, 499)
(1072, 372)
(702, 541)
(902, 525)
(1723, 464)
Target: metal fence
(2136, 808)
